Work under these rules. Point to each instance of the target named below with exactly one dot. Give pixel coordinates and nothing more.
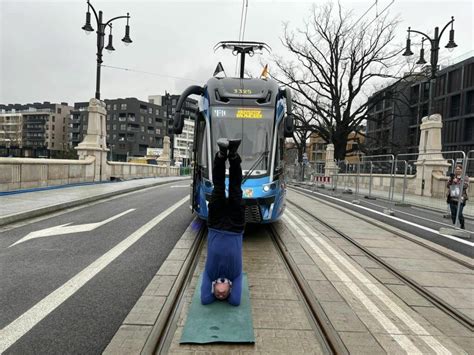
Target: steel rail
(435, 300)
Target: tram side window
(201, 144)
(280, 148)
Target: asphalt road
(421, 222)
(84, 322)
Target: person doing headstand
(222, 277)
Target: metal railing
(418, 179)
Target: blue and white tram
(256, 111)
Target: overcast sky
(45, 56)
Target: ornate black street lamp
(101, 27)
(434, 53)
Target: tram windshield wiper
(252, 168)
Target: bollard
(402, 203)
(357, 201)
(389, 210)
(369, 197)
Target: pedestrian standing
(457, 193)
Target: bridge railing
(26, 173)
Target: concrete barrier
(128, 171)
(26, 173)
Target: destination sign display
(242, 112)
(249, 113)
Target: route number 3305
(243, 91)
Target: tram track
(332, 341)
(162, 331)
(428, 295)
(382, 225)
(161, 337)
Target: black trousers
(227, 213)
(454, 210)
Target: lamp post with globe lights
(101, 28)
(434, 53)
(94, 143)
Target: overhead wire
(150, 73)
(379, 14)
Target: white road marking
(20, 326)
(67, 229)
(178, 186)
(397, 310)
(411, 214)
(398, 219)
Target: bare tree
(336, 59)
(303, 127)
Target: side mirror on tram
(288, 126)
(178, 123)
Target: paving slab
(365, 261)
(409, 296)
(146, 310)
(436, 265)
(446, 279)
(342, 317)
(458, 297)
(170, 268)
(325, 291)
(301, 258)
(443, 322)
(160, 285)
(128, 340)
(384, 276)
(311, 273)
(362, 343)
(352, 250)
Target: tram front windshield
(253, 126)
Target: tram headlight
(269, 187)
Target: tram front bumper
(257, 210)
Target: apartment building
(179, 143)
(132, 126)
(393, 123)
(34, 130)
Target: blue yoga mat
(219, 322)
